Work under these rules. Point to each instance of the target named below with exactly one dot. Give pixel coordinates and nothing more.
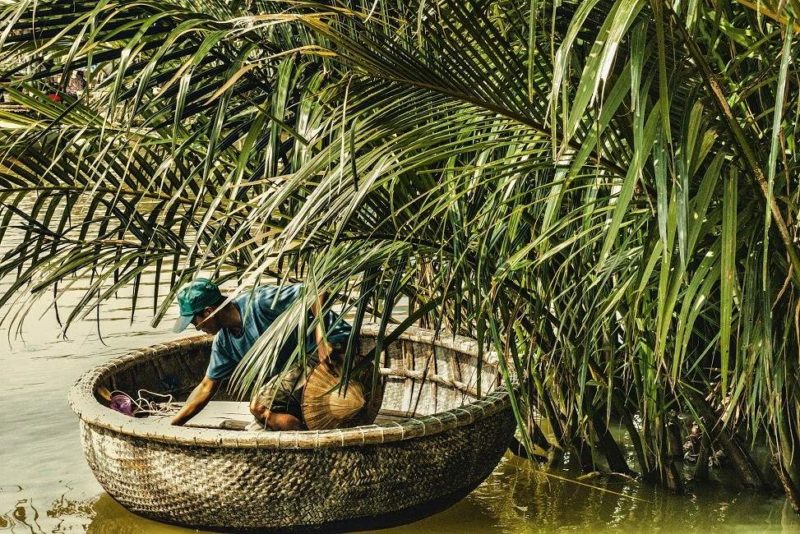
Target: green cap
(193, 298)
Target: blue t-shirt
(258, 310)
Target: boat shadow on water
(468, 515)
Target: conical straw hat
(326, 406)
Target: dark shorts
(283, 392)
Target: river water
(46, 486)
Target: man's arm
(196, 401)
(324, 348)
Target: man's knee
(283, 421)
(258, 409)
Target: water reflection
(64, 516)
(111, 518)
(517, 497)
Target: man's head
(197, 301)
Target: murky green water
(46, 486)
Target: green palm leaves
(602, 191)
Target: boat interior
(418, 380)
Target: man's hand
(198, 399)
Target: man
(236, 326)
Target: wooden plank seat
(233, 415)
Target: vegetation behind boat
(605, 192)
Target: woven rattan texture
(274, 488)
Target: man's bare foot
(234, 424)
(255, 426)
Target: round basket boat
(443, 427)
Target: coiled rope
(162, 404)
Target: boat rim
(84, 403)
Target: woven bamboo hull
(354, 478)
